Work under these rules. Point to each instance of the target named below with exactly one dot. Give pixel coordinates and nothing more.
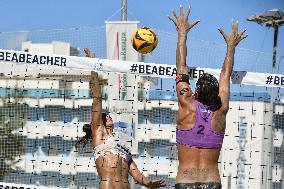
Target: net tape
(30, 64)
(4, 185)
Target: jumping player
(113, 161)
(201, 117)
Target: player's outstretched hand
(181, 22)
(234, 37)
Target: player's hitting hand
(88, 53)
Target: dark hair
(88, 130)
(207, 88)
(104, 115)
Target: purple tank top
(201, 135)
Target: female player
(201, 117)
(113, 161)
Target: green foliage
(12, 117)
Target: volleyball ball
(144, 40)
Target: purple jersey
(201, 135)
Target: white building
(55, 47)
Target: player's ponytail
(88, 130)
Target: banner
(122, 86)
(4, 185)
(119, 47)
(118, 39)
(30, 63)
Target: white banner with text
(29, 63)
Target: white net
(43, 111)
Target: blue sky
(39, 14)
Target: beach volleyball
(144, 40)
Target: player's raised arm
(96, 95)
(232, 41)
(90, 129)
(182, 26)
